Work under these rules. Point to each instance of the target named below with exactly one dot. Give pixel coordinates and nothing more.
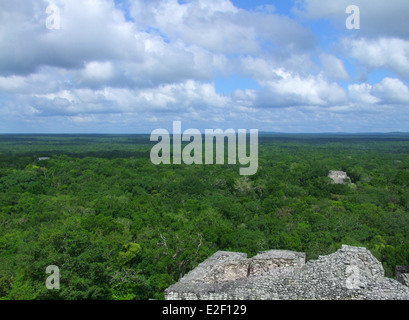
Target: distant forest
(119, 227)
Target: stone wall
(402, 275)
(349, 273)
(229, 266)
(339, 177)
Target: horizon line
(260, 132)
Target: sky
(133, 66)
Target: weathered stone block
(349, 273)
(339, 177)
(402, 275)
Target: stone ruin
(402, 275)
(339, 177)
(351, 273)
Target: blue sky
(122, 66)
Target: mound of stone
(351, 273)
(339, 177)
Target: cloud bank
(133, 66)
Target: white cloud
(294, 90)
(104, 70)
(388, 91)
(391, 90)
(333, 67)
(90, 31)
(165, 98)
(389, 53)
(378, 17)
(12, 83)
(218, 26)
(361, 93)
(98, 71)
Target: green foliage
(119, 227)
(132, 250)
